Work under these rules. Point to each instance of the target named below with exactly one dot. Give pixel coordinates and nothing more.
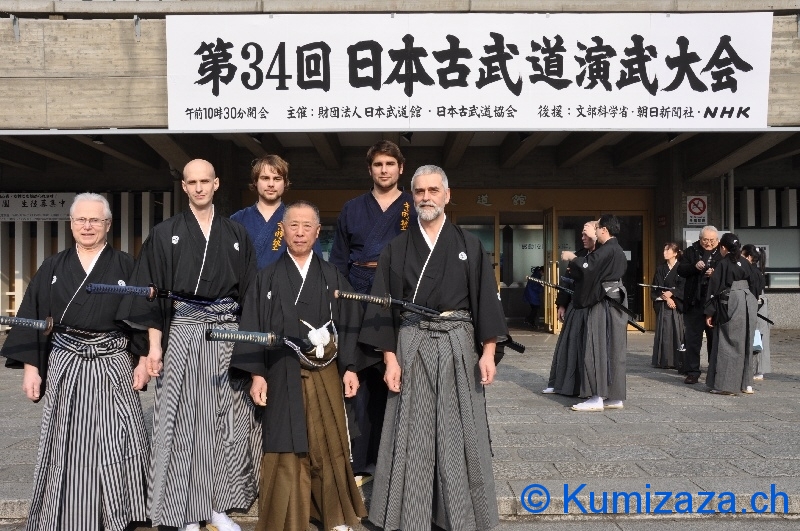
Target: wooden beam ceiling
(578, 146)
(258, 144)
(127, 148)
(639, 147)
(329, 149)
(788, 148)
(516, 146)
(166, 146)
(11, 155)
(60, 149)
(725, 156)
(455, 145)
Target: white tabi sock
(593, 404)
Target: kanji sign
(35, 207)
(476, 71)
(697, 210)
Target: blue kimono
(363, 230)
(267, 236)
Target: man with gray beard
(436, 370)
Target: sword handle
(267, 339)
(45, 325)
(383, 302)
(513, 345)
(139, 291)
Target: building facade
(87, 91)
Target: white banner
(35, 207)
(473, 72)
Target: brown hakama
(324, 472)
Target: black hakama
(668, 338)
(566, 369)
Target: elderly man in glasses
(697, 266)
(93, 454)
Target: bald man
(203, 462)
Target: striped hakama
(93, 450)
(204, 427)
(762, 364)
(434, 463)
(730, 360)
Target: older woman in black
(731, 310)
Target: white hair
(88, 196)
(430, 169)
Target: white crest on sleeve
(462, 255)
(54, 280)
(236, 245)
(585, 265)
(269, 294)
(175, 239)
(498, 296)
(121, 282)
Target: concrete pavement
(670, 438)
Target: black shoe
(691, 379)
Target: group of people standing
(238, 420)
(714, 287)
(590, 354)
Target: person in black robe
(204, 460)
(434, 464)
(668, 305)
(762, 362)
(696, 266)
(88, 379)
(605, 347)
(567, 365)
(305, 470)
(731, 310)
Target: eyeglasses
(94, 222)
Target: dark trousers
(694, 322)
(533, 317)
(369, 406)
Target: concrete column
(5, 271)
(64, 238)
(148, 214)
(126, 222)
(43, 243)
(167, 207)
(179, 199)
(22, 261)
